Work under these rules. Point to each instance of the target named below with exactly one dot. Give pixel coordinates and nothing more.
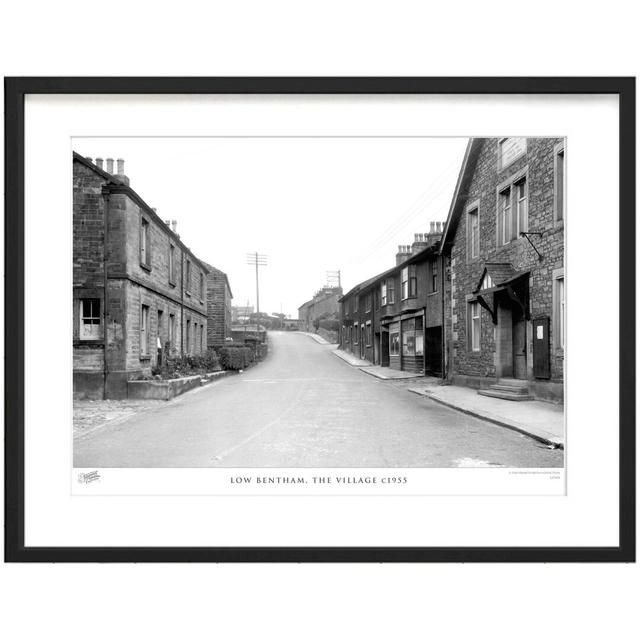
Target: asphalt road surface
(304, 407)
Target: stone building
(395, 318)
(136, 286)
(219, 299)
(504, 241)
(323, 305)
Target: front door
(519, 346)
(362, 342)
(384, 349)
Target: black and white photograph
(268, 302)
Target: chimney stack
(99, 163)
(174, 226)
(110, 165)
(419, 243)
(404, 251)
(120, 163)
(89, 159)
(432, 229)
(168, 223)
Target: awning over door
(501, 276)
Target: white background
(320, 601)
(55, 518)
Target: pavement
(383, 373)
(540, 420)
(304, 407)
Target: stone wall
(465, 273)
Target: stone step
(505, 395)
(513, 382)
(509, 388)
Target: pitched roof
(114, 184)
(220, 273)
(461, 193)
(417, 257)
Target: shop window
(394, 344)
(413, 337)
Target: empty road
(304, 407)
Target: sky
(311, 205)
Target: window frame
(145, 243)
(433, 276)
(559, 150)
(512, 202)
(559, 317)
(172, 264)
(201, 286)
(473, 210)
(391, 290)
(187, 286)
(81, 317)
(472, 332)
(145, 331)
(383, 293)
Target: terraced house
(504, 243)
(395, 318)
(138, 291)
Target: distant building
(324, 305)
(241, 314)
(395, 318)
(137, 289)
(504, 238)
(219, 314)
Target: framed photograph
(320, 319)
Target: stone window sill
(145, 266)
(145, 358)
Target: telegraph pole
(259, 260)
(333, 277)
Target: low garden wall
(167, 389)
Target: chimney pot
(120, 163)
(99, 163)
(168, 223)
(109, 165)
(432, 227)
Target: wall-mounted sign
(511, 149)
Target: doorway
(519, 337)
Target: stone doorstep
(529, 430)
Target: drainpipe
(105, 295)
(181, 303)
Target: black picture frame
(15, 91)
